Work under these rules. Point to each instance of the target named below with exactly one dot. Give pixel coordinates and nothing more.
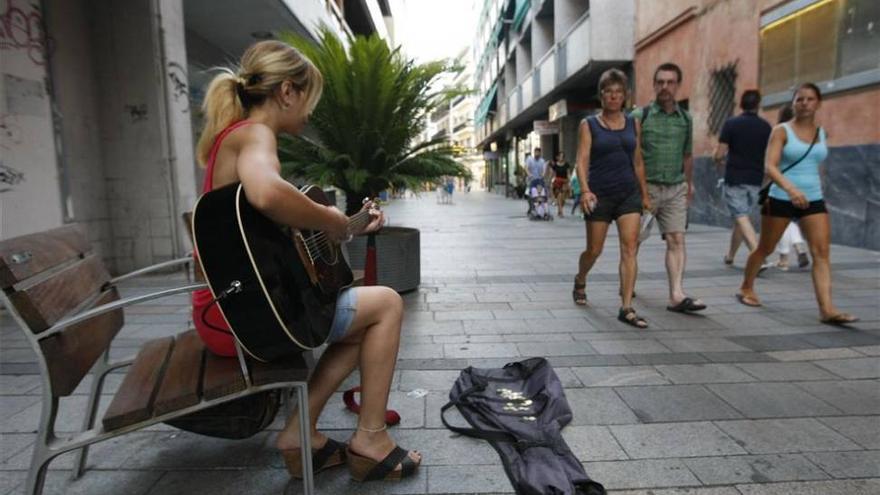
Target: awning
(496, 33)
(519, 15)
(483, 109)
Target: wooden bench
(61, 295)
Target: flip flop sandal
(748, 300)
(392, 417)
(580, 298)
(365, 469)
(629, 316)
(332, 454)
(728, 261)
(840, 320)
(687, 304)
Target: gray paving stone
(420, 351)
(428, 379)
(841, 339)
(674, 440)
(463, 315)
(702, 345)
(480, 350)
(18, 385)
(768, 400)
(776, 436)
(555, 349)
(119, 482)
(783, 372)
(703, 373)
(763, 343)
(853, 369)
(754, 469)
(725, 490)
(851, 397)
(646, 346)
(616, 475)
(737, 357)
(868, 350)
(617, 376)
(13, 443)
(468, 479)
(863, 464)
(592, 443)
(813, 354)
(598, 407)
(668, 358)
(864, 430)
(442, 447)
(675, 403)
(842, 487)
(12, 479)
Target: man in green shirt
(667, 149)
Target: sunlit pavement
(735, 400)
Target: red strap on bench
(391, 416)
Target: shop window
(722, 96)
(822, 41)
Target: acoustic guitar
(276, 286)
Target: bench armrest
(148, 269)
(121, 303)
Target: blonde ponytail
(264, 66)
(220, 108)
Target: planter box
(398, 257)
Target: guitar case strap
(520, 410)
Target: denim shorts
(346, 307)
(741, 198)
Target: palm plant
(365, 127)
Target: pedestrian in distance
(743, 140)
(561, 169)
(794, 154)
(273, 92)
(536, 168)
(613, 189)
(667, 150)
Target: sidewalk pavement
(733, 401)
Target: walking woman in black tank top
(612, 179)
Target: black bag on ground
(236, 419)
(521, 409)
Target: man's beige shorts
(670, 206)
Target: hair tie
(255, 79)
(242, 93)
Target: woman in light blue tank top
(795, 151)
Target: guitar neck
(358, 221)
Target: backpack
(521, 409)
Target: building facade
(538, 64)
(99, 108)
(779, 45)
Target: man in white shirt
(536, 168)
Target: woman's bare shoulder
(255, 134)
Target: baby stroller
(536, 195)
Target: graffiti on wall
(137, 112)
(21, 28)
(9, 177)
(177, 75)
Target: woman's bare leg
(628, 231)
(817, 231)
(596, 233)
(372, 343)
(772, 229)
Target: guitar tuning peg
(365, 201)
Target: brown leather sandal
(365, 469)
(332, 454)
(580, 298)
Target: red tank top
(219, 342)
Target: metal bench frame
(48, 445)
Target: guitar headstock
(372, 204)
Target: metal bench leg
(42, 455)
(98, 375)
(305, 432)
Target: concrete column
(145, 131)
(565, 13)
(523, 62)
(542, 37)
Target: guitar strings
(316, 242)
